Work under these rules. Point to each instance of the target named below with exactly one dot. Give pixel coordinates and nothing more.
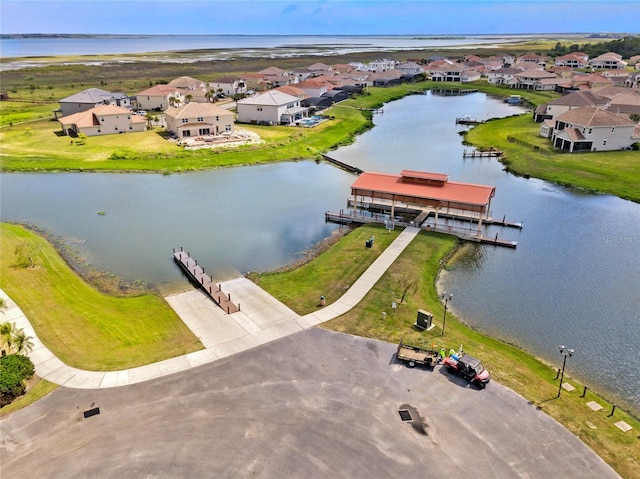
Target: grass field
(333, 272)
(83, 327)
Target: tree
(173, 101)
(16, 339)
(188, 98)
(210, 95)
(14, 370)
(635, 117)
(404, 284)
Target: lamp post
(567, 353)
(446, 297)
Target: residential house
(593, 80)
(608, 61)
(228, 85)
(198, 119)
(570, 101)
(531, 59)
(632, 80)
(314, 87)
(275, 76)
(410, 68)
(572, 60)
(186, 83)
(292, 90)
(382, 65)
(470, 75)
(503, 76)
(159, 98)
(451, 72)
(592, 129)
(102, 120)
(634, 61)
(91, 98)
(532, 80)
(270, 108)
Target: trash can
(322, 301)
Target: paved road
(315, 404)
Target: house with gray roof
(270, 108)
(91, 98)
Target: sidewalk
(262, 319)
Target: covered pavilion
(429, 192)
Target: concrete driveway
(315, 404)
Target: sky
(319, 17)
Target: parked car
(469, 368)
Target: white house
(159, 97)
(228, 85)
(102, 120)
(592, 129)
(198, 119)
(382, 65)
(533, 80)
(410, 68)
(608, 61)
(270, 108)
(572, 60)
(503, 76)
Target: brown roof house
(198, 119)
(159, 97)
(102, 120)
(592, 129)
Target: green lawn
(612, 172)
(83, 327)
(334, 271)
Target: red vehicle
(469, 368)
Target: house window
(604, 142)
(590, 130)
(102, 119)
(186, 133)
(217, 118)
(259, 108)
(130, 127)
(200, 119)
(612, 130)
(227, 127)
(185, 120)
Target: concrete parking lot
(313, 404)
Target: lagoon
(573, 278)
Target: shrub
(14, 370)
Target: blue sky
(318, 17)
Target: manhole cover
(405, 415)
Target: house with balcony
(503, 76)
(450, 72)
(592, 129)
(382, 65)
(608, 61)
(91, 98)
(102, 120)
(198, 119)
(572, 60)
(570, 101)
(531, 60)
(270, 108)
(532, 79)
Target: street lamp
(446, 297)
(567, 353)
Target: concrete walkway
(262, 319)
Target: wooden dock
(342, 165)
(197, 276)
(482, 154)
(452, 91)
(465, 120)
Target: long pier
(197, 275)
(342, 165)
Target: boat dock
(465, 120)
(197, 276)
(482, 154)
(342, 165)
(452, 91)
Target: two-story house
(608, 61)
(198, 119)
(270, 108)
(572, 60)
(102, 120)
(592, 129)
(159, 98)
(91, 98)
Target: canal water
(572, 280)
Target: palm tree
(209, 95)
(23, 343)
(188, 98)
(149, 116)
(173, 101)
(7, 331)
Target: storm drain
(91, 412)
(405, 415)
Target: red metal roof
(466, 193)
